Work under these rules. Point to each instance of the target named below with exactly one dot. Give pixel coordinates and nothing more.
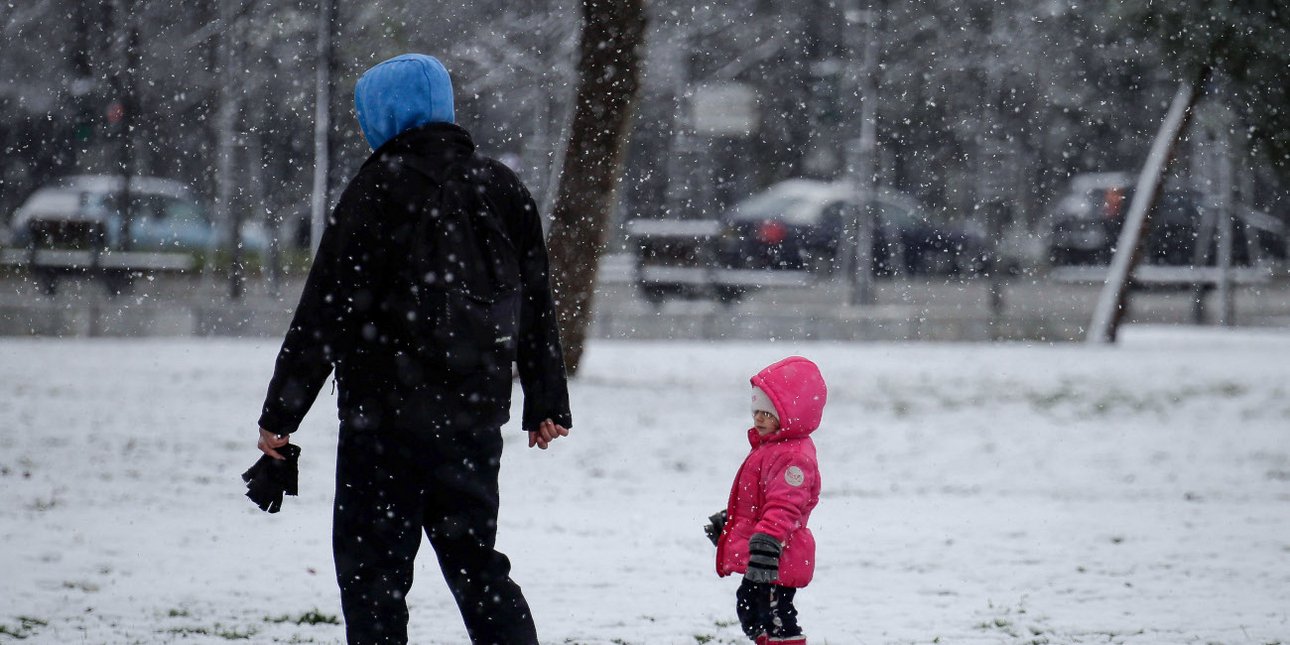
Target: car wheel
(824, 263)
(653, 295)
(1058, 256)
(118, 284)
(936, 262)
(728, 294)
(48, 281)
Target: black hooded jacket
(351, 312)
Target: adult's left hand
(547, 432)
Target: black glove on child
(763, 558)
(716, 523)
(269, 479)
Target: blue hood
(402, 93)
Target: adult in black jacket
(419, 444)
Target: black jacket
(349, 316)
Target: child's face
(765, 423)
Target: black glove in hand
(716, 523)
(763, 558)
(269, 479)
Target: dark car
(1087, 223)
(802, 224)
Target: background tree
(609, 62)
(982, 105)
(1246, 41)
(1037, 91)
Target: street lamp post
(862, 42)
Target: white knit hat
(761, 403)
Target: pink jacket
(779, 482)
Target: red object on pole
(772, 232)
(115, 112)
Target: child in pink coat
(763, 533)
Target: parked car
(802, 224)
(84, 212)
(1086, 225)
(1081, 230)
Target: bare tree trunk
(1111, 303)
(609, 69)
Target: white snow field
(993, 493)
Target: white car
(84, 212)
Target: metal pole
(125, 97)
(83, 87)
(680, 156)
(226, 125)
(322, 122)
(991, 149)
(271, 267)
(1225, 294)
(1202, 172)
(862, 291)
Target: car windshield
(183, 211)
(785, 207)
(897, 216)
(99, 203)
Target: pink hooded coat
(779, 482)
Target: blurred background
(999, 140)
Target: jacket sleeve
(539, 357)
(787, 481)
(343, 273)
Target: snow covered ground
(973, 494)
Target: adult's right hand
(547, 432)
(270, 442)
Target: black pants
(391, 486)
(766, 608)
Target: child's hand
(763, 558)
(716, 523)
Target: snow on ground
(989, 493)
